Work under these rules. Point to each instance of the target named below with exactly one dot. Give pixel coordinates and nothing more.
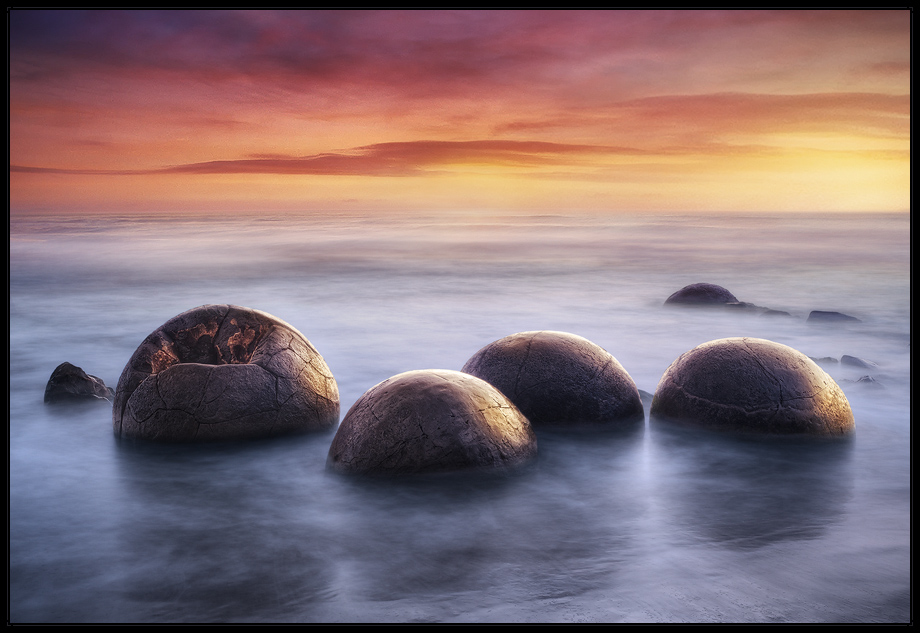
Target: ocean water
(663, 526)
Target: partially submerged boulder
(224, 372)
(827, 316)
(560, 380)
(855, 361)
(69, 383)
(703, 294)
(431, 421)
(751, 385)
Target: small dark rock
(825, 360)
(743, 305)
(702, 294)
(646, 398)
(868, 381)
(821, 316)
(69, 383)
(770, 312)
(854, 361)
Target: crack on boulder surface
(767, 371)
(517, 380)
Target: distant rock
(703, 294)
(854, 361)
(868, 381)
(750, 385)
(822, 316)
(825, 360)
(771, 313)
(69, 383)
(744, 305)
(646, 398)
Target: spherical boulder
(560, 380)
(431, 421)
(751, 385)
(224, 372)
(702, 294)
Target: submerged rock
(224, 372)
(855, 361)
(560, 380)
(751, 385)
(822, 316)
(431, 421)
(703, 294)
(646, 398)
(69, 383)
(866, 381)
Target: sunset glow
(276, 111)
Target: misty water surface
(660, 526)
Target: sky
(485, 111)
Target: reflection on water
(662, 525)
(748, 493)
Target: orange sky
(136, 111)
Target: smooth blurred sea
(661, 527)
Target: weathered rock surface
(751, 385)
(702, 294)
(824, 316)
(224, 372)
(69, 383)
(431, 421)
(560, 380)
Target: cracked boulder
(751, 385)
(702, 294)
(220, 372)
(560, 380)
(431, 421)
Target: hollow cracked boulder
(560, 380)
(702, 294)
(431, 421)
(751, 385)
(224, 372)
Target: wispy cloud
(548, 94)
(382, 159)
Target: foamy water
(661, 527)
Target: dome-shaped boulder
(560, 380)
(431, 421)
(702, 294)
(751, 385)
(224, 372)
